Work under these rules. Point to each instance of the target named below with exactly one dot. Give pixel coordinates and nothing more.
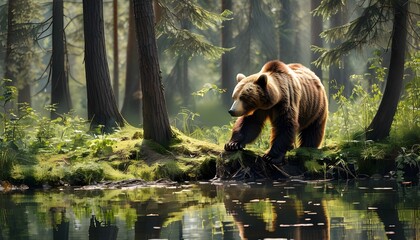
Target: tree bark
(286, 32)
(262, 27)
(60, 93)
(155, 116)
(18, 51)
(102, 107)
(116, 82)
(242, 51)
(380, 126)
(228, 76)
(185, 89)
(132, 105)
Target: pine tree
(19, 47)
(371, 27)
(60, 93)
(183, 42)
(102, 106)
(155, 116)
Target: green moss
(155, 146)
(110, 173)
(45, 172)
(85, 173)
(142, 170)
(170, 170)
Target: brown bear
(291, 96)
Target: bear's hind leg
(312, 135)
(282, 138)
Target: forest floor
(126, 155)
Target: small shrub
(408, 163)
(102, 146)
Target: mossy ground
(126, 155)
(120, 156)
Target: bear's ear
(239, 77)
(262, 80)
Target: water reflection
(277, 212)
(60, 224)
(282, 210)
(102, 231)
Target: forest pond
(374, 209)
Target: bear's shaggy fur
(291, 96)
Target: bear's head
(252, 93)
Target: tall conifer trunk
(19, 50)
(102, 107)
(380, 126)
(286, 52)
(155, 116)
(115, 79)
(60, 94)
(131, 109)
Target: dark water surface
(381, 209)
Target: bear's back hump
(305, 75)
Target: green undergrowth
(119, 156)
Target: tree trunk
(9, 59)
(18, 50)
(380, 126)
(185, 89)
(155, 116)
(116, 82)
(286, 32)
(60, 94)
(228, 76)
(262, 28)
(102, 107)
(316, 29)
(132, 104)
(24, 94)
(242, 51)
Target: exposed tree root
(247, 166)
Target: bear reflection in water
(276, 216)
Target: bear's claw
(233, 146)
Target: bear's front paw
(233, 146)
(274, 160)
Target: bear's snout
(237, 109)
(232, 113)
